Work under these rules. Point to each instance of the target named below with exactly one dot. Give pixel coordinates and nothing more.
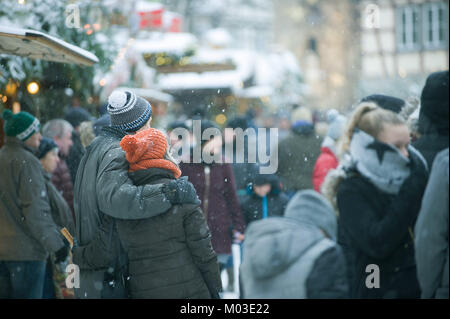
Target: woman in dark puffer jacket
(170, 255)
(377, 190)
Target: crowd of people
(370, 194)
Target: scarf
(382, 164)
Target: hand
(418, 178)
(62, 253)
(238, 237)
(181, 191)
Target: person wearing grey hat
(128, 111)
(104, 191)
(295, 256)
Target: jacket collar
(150, 175)
(109, 131)
(15, 142)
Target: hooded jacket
(434, 116)
(170, 256)
(102, 187)
(291, 257)
(276, 201)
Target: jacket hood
(261, 179)
(434, 109)
(150, 175)
(273, 244)
(310, 208)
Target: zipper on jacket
(207, 171)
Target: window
(422, 26)
(408, 28)
(434, 25)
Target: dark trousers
(22, 279)
(49, 285)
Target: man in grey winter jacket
(27, 232)
(295, 256)
(103, 187)
(431, 230)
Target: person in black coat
(434, 117)
(264, 199)
(378, 191)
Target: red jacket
(326, 161)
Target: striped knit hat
(146, 149)
(128, 111)
(21, 125)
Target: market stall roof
(150, 94)
(157, 42)
(38, 45)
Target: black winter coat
(252, 206)
(169, 256)
(377, 228)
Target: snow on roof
(207, 80)
(149, 94)
(218, 38)
(157, 42)
(145, 6)
(255, 92)
(269, 71)
(39, 45)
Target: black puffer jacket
(377, 228)
(170, 256)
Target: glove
(417, 181)
(62, 253)
(181, 191)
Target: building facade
(402, 42)
(324, 37)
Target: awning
(150, 94)
(37, 45)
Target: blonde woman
(377, 190)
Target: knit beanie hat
(47, 144)
(128, 111)
(301, 114)
(336, 124)
(386, 102)
(434, 102)
(146, 149)
(21, 125)
(76, 115)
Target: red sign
(151, 19)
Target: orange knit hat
(146, 149)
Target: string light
(33, 87)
